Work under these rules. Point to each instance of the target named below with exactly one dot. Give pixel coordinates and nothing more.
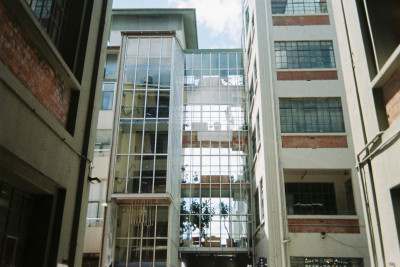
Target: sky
(219, 22)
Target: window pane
(313, 115)
(304, 55)
(111, 64)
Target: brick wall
(306, 75)
(349, 226)
(300, 20)
(391, 96)
(314, 141)
(22, 59)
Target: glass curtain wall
(215, 188)
(142, 145)
(141, 236)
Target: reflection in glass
(215, 186)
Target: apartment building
(308, 209)
(368, 34)
(49, 57)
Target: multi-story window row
(215, 188)
(304, 55)
(141, 235)
(142, 146)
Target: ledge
(156, 198)
(384, 74)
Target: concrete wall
(316, 151)
(145, 23)
(40, 154)
(383, 235)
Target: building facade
(172, 144)
(49, 57)
(307, 199)
(369, 45)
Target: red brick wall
(34, 73)
(391, 96)
(349, 226)
(306, 75)
(314, 141)
(300, 20)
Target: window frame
(308, 54)
(314, 115)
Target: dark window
(325, 262)
(51, 15)
(299, 6)
(257, 207)
(111, 65)
(304, 55)
(310, 199)
(108, 96)
(67, 24)
(311, 115)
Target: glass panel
(161, 252)
(163, 108)
(162, 221)
(155, 47)
(126, 105)
(166, 47)
(138, 111)
(111, 64)
(123, 214)
(144, 44)
(120, 254)
(147, 252)
(134, 252)
(132, 46)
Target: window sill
(385, 73)
(316, 134)
(322, 216)
(316, 69)
(300, 15)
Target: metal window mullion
(155, 232)
(144, 116)
(128, 241)
(157, 111)
(130, 126)
(219, 147)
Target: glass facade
(215, 187)
(141, 236)
(142, 145)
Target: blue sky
(219, 23)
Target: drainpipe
(367, 161)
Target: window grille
(304, 55)
(51, 15)
(311, 115)
(310, 198)
(293, 7)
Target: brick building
(49, 56)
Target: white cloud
(219, 16)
